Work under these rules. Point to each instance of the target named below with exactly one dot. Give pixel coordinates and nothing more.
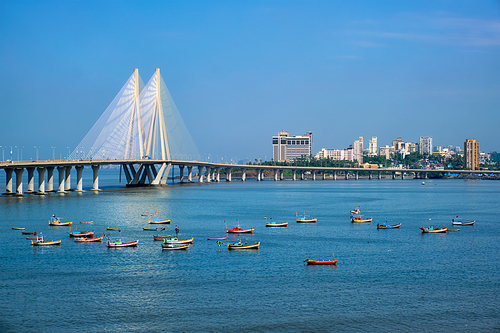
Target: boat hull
(60, 224)
(185, 241)
(171, 247)
(240, 246)
(17, 228)
(358, 220)
(464, 223)
(116, 229)
(382, 226)
(277, 225)
(120, 244)
(307, 220)
(159, 222)
(321, 263)
(81, 234)
(240, 231)
(41, 243)
(88, 240)
(431, 230)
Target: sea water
(385, 280)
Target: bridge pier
(346, 175)
(259, 171)
(335, 175)
(31, 180)
(369, 175)
(190, 174)
(281, 174)
(393, 175)
(200, 174)
(293, 175)
(181, 173)
(217, 174)
(8, 181)
(324, 175)
(357, 175)
(313, 172)
(229, 172)
(275, 175)
(79, 178)
(41, 180)
(209, 174)
(301, 174)
(95, 172)
(402, 175)
(61, 170)
(243, 174)
(68, 179)
(379, 175)
(19, 181)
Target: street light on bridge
(67, 157)
(53, 153)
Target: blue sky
(240, 71)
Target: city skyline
(241, 72)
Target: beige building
(471, 154)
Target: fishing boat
(387, 226)
(32, 238)
(243, 246)
(316, 262)
(117, 242)
(273, 224)
(174, 247)
(304, 219)
(152, 229)
(81, 234)
(60, 224)
(433, 230)
(175, 240)
(356, 211)
(18, 228)
(360, 220)
(161, 237)
(158, 221)
(116, 229)
(457, 221)
(146, 214)
(41, 242)
(88, 240)
(214, 238)
(29, 233)
(238, 230)
(86, 221)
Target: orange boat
(316, 262)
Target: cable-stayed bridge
(143, 132)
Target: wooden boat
(88, 240)
(117, 229)
(86, 221)
(60, 224)
(152, 229)
(304, 219)
(213, 238)
(161, 237)
(81, 234)
(316, 262)
(174, 247)
(356, 211)
(175, 240)
(459, 222)
(277, 224)
(43, 243)
(159, 221)
(387, 226)
(29, 233)
(360, 220)
(18, 228)
(146, 214)
(433, 230)
(118, 243)
(238, 230)
(243, 246)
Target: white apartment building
(287, 148)
(372, 146)
(425, 146)
(336, 154)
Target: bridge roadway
(148, 174)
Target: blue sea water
(385, 280)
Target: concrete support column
(275, 175)
(19, 181)
(61, 171)
(95, 186)
(200, 174)
(68, 179)
(8, 180)
(229, 172)
(50, 179)
(301, 174)
(346, 175)
(402, 175)
(293, 174)
(313, 174)
(209, 174)
(31, 180)
(79, 178)
(379, 175)
(393, 175)
(425, 175)
(335, 175)
(357, 175)
(243, 174)
(324, 175)
(190, 174)
(41, 181)
(217, 174)
(181, 173)
(281, 174)
(258, 174)
(369, 175)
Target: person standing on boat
(55, 219)
(176, 231)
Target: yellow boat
(42, 243)
(60, 224)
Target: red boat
(238, 230)
(316, 262)
(88, 240)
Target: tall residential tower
(471, 154)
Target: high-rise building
(357, 147)
(471, 154)
(336, 154)
(372, 146)
(425, 146)
(286, 148)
